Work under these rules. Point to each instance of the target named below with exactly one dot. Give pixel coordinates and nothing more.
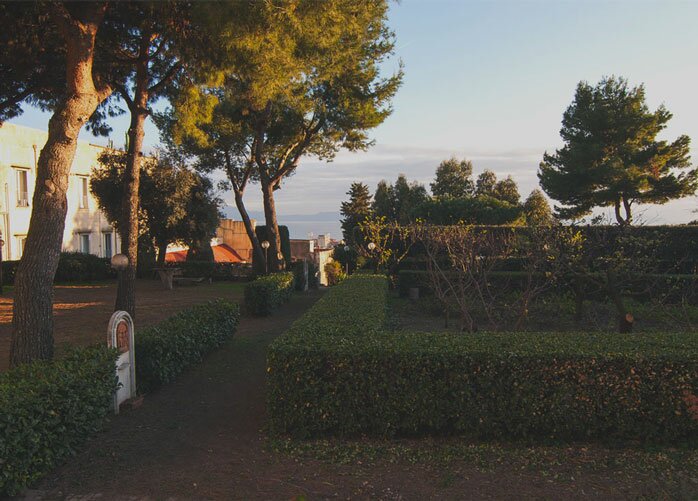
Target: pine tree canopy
(611, 155)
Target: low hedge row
(338, 372)
(268, 292)
(214, 271)
(666, 286)
(165, 350)
(47, 409)
(72, 267)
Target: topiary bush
(47, 409)
(165, 350)
(267, 293)
(339, 371)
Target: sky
(489, 81)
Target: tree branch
(169, 74)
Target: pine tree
(611, 156)
(355, 211)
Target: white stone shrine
(120, 336)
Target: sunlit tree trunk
(32, 319)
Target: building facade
(86, 228)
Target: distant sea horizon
(300, 226)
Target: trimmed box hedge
(165, 350)
(47, 409)
(267, 293)
(339, 372)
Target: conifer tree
(611, 156)
(537, 209)
(355, 211)
(453, 179)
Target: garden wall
(339, 371)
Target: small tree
(176, 204)
(355, 211)
(611, 156)
(486, 183)
(537, 209)
(507, 191)
(453, 179)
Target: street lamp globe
(119, 262)
(347, 248)
(371, 246)
(265, 245)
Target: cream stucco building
(86, 228)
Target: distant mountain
(299, 225)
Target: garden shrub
(335, 273)
(339, 371)
(165, 350)
(48, 408)
(72, 267)
(299, 278)
(265, 294)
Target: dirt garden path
(202, 438)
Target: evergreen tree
(611, 156)
(485, 184)
(537, 209)
(383, 201)
(397, 202)
(355, 211)
(506, 190)
(453, 179)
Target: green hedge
(165, 350)
(674, 288)
(72, 267)
(267, 293)
(337, 371)
(47, 409)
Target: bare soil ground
(82, 312)
(203, 437)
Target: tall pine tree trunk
(256, 246)
(126, 290)
(32, 319)
(276, 260)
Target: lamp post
(265, 246)
(346, 256)
(371, 247)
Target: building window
(85, 243)
(83, 192)
(108, 245)
(22, 188)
